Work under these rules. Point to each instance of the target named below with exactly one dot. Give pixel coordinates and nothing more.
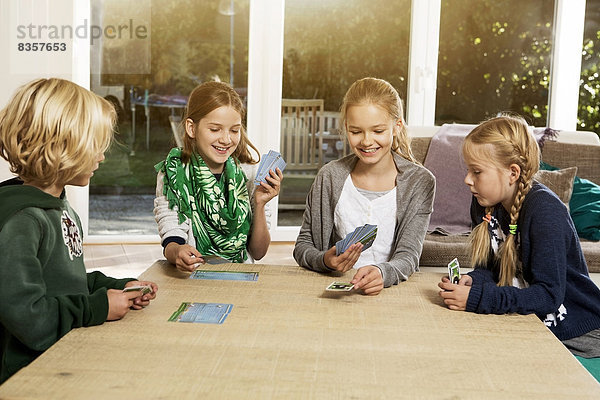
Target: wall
(21, 22)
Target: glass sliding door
(494, 56)
(329, 44)
(187, 42)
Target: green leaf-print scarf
(220, 227)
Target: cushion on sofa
(560, 181)
(439, 250)
(584, 206)
(591, 251)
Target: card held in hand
(142, 288)
(454, 271)
(270, 161)
(340, 287)
(365, 234)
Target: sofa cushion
(591, 251)
(584, 206)
(560, 181)
(585, 209)
(419, 147)
(583, 156)
(439, 250)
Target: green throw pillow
(584, 206)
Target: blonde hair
(509, 141)
(53, 130)
(380, 93)
(206, 98)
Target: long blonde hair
(53, 130)
(380, 93)
(511, 143)
(204, 99)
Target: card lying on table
(224, 275)
(269, 161)
(365, 234)
(206, 313)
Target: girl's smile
(370, 132)
(217, 135)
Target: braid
(510, 267)
(479, 241)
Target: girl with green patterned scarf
(206, 203)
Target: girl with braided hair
(524, 248)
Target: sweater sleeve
(167, 218)
(309, 250)
(28, 312)
(97, 280)
(544, 243)
(411, 231)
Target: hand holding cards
(365, 234)
(270, 161)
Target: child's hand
(369, 279)
(465, 280)
(266, 191)
(185, 257)
(345, 261)
(455, 296)
(142, 301)
(119, 303)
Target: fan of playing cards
(365, 234)
(270, 161)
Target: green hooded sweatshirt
(44, 289)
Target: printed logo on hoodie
(71, 236)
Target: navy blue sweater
(560, 290)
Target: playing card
(356, 234)
(214, 260)
(208, 313)
(454, 271)
(224, 275)
(141, 288)
(368, 234)
(340, 287)
(270, 161)
(265, 163)
(365, 234)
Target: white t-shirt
(354, 209)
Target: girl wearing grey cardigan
(415, 187)
(380, 184)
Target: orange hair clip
(488, 218)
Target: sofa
(580, 149)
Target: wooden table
(288, 338)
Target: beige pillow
(559, 181)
